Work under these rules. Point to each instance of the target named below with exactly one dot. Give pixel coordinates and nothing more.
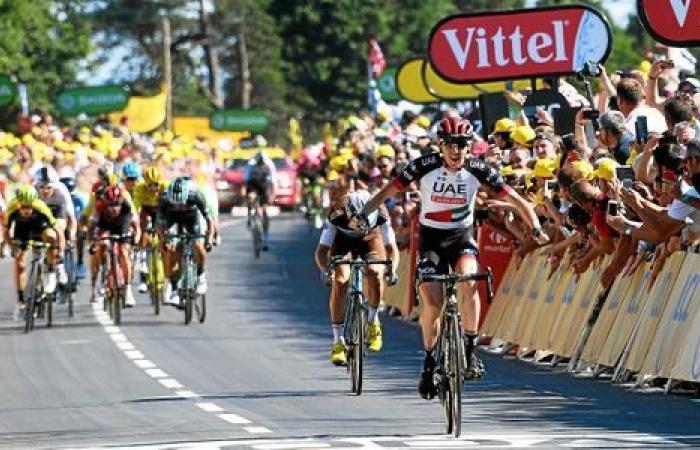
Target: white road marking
(133, 354)
(125, 346)
(233, 418)
(210, 407)
(150, 369)
(144, 364)
(156, 373)
(290, 445)
(170, 383)
(257, 430)
(187, 394)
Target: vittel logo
(518, 44)
(501, 49)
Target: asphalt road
(256, 375)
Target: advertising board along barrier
(524, 43)
(542, 314)
(672, 22)
(500, 299)
(687, 364)
(626, 319)
(538, 275)
(549, 314)
(398, 295)
(516, 296)
(612, 305)
(675, 321)
(587, 291)
(651, 315)
(495, 251)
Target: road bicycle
(37, 303)
(190, 300)
(66, 293)
(355, 323)
(256, 227)
(114, 281)
(156, 275)
(450, 357)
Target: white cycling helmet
(46, 175)
(356, 202)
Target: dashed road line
(149, 368)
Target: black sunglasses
(459, 141)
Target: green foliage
(42, 42)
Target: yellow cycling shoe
(338, 354)
(374, 336)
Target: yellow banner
(199, 126)
(145, 113)
(409, 82)
(651, 315)
(445, 90)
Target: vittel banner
(673, 22)
(525, 43)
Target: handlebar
(340, 261)
(185, 236)
(455, 277)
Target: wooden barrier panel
(602, 326)
(687, 364)
(539, 316)
(537, 273)
(572, 322)
(516, 293)
(542, 337)
(675, 321)
(626, 319)
(500, 300)
(651, 314)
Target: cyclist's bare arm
(387, 191)
(322, 255)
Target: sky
(619, 9)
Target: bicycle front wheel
(48, 304)
(357, 347)
(257, 238)
(200, 307)
(155, 276)
(455, 363)
(117, 299)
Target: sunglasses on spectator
(132, 179)
(46, 186)
(113, 204)
(688, 91)
(459, 141)
(153, 185)
(383, 166)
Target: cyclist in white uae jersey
(449, 182)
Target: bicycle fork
(352, 307)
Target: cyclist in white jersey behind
(449, 182)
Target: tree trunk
(167, 74)
(246, 85)
(212, 58)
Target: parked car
(229, 184)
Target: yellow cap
(338, 163)
(523, 135)
(332, 175)
(605, 170)
(506, 171)
(423, 122)
(382, 115)
(504, 125)
(385, 151)
(584, 167)
(544, 168)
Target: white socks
(337, 333)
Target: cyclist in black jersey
(449, 182)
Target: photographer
(612, 134)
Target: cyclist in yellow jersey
(27, 219)
(146, 195)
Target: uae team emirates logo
(673, 22)
(518, 44)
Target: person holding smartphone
(630, 100)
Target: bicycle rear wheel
(257, 237)
(68, 291)
(117, 300)
(200, 307)
(357, 347)
(455, 362)
(155, 275)
(444, 387)
(47, 303)
(188, 308)
(29, 299)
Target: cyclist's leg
(61, 227)
(51, 237)
(194, 226)
(336, 307)
(251, 195)
(467, 262)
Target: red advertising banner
(495, 251)
(524, 43)
(672, 22)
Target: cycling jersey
(143, 196)
(259, 178)
(79, 202)
(339, 223)
(448, 198)
(29, 227)
(60, 202)
(169, 213)
(117, 224)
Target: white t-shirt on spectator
(656, 123)
(681, 211)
